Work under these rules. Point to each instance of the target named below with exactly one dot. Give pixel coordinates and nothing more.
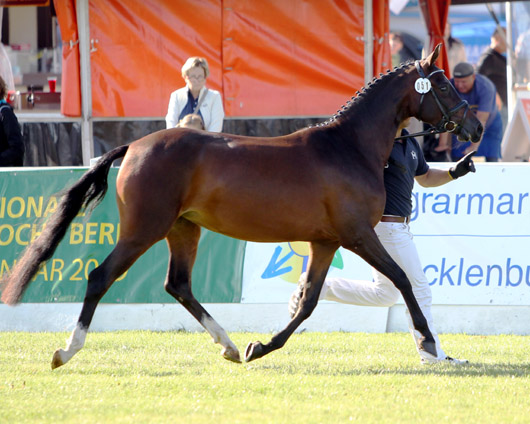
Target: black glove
(463, 166)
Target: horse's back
(261, 189)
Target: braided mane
(360, 96)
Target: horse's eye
(444, 88)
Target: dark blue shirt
(481, 98)
(406, 162)
(11, 144)
(190, 107)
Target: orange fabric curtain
(291, 57)
(70, 80)
(141, 46)
(435, 13)
(267, 58)
(382, 60)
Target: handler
(405, 164)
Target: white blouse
(211, 108)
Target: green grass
(178, 377)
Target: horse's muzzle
(464, 135)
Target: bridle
(445, 124)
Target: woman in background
(456, 51)
(11, 145)
(196, 98)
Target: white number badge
(422, 85)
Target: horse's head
(440, 104)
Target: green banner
(29, 196)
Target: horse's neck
(373, 121)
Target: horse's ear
(431, 60)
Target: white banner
(472, 235)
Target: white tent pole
(368, 41)
(83, 29)
(509, 60)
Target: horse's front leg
(366, 244)
(319, 261)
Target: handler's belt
(392, 218)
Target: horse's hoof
(429, 347)
(57, 360)
(231, 354)
(253, 351)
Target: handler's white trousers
(398, 241)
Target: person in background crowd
(456, 51)
(406, 164)
(396, 45)
(191, 120)
(11, 145)
(492, 64)
(522, 58)
(196, 98)
(6, 69)
(404, 47)
(480, 93)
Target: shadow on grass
(470, 370)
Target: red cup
(11, 95)
(52, 83)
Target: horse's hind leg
(99, 281)
(319, 262)
(182, 241)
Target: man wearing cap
(481, 94)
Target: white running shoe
(446, 360)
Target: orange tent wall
(71, 84)
(435, 14)
(291, 57)
(382, 59)
(141, 47)
(268, 58)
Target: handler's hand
(463, 166)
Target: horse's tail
(91, 187)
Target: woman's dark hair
(3, 89)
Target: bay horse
(321, 184)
